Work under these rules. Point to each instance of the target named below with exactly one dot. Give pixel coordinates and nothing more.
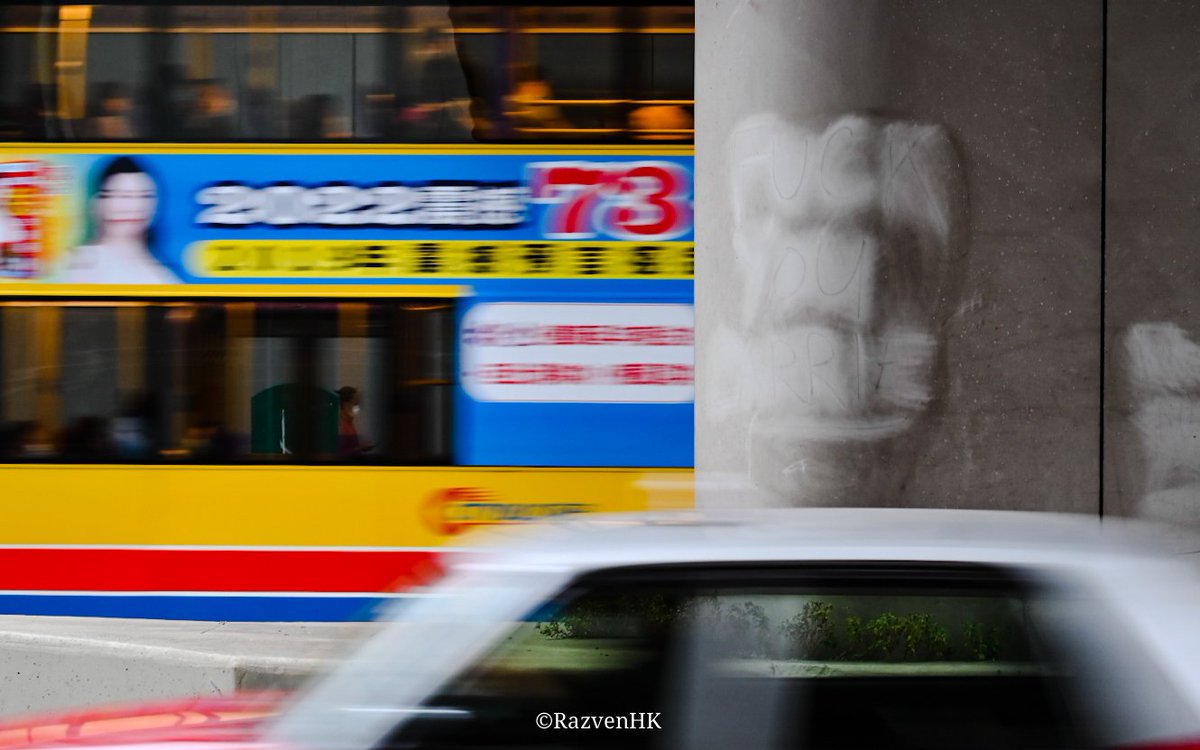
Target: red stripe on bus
(233, 570)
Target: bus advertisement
(276, 378)
(568, 275)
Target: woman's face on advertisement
(125, 204)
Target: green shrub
(810, 634)
(982, 643)
(615, 617)
(821, 631)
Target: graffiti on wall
(847, 248)
(1162, 364)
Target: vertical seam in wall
(1103, 236)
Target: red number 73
(630, 200)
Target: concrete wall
(909, 290)
(1152, 408)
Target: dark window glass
(408, 73)
(217, 382)
(920, 658)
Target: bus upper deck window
(410, 73)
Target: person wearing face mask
(349, 441)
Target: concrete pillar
(829, 244)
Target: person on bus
(528, 107)
(214, 112)
(15, 437)
(122, 211)
(661, 122)
(112, 110)
(317, 117)
(350, 442)
(131, 428)
(442, 110)
(88, 438)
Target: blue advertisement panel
(180, 217)
(606, 382)
(574, 343)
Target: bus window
(401, 73)
(220, 382)
(423, 367)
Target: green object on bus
(294, 419)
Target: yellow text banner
(458, 259)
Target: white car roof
(850, 534)
(516, 569)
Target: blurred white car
(811, 628)
(785, 629)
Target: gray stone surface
(1152, 458)
(1013, 414)
(50, 663)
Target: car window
(599, 651)
(787, 657)
(426, 640)
(914, 669)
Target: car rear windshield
(800, 657)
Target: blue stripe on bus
(196, 607)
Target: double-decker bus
(291, 295)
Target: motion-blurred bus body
(291, 296)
